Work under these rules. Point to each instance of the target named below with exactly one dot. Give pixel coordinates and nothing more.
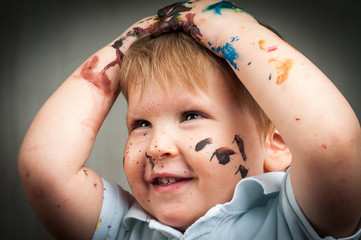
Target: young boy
(203, 159)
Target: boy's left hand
(204, 20)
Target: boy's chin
(178, 220)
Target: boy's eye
(141, 124)
(192, 115)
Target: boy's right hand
(64, 193)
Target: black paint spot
(240, 144)
(203, 143)
(242, 170)
(223, 155)
(150, 159)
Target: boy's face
(187, 151)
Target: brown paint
(242, 170)
(202, 144)
(99, 79)
(223, 155)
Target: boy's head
(194, 130)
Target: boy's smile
(181, 157)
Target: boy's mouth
(164, 181)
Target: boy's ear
(278, 156)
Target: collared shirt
(263, 207)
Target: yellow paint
(99, 221)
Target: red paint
(100, 79)
(297, 119)
(324, 146)
(272, 48)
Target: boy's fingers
(169, 18)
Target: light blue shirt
(263, 207)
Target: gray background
(42, 42)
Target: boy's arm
(314, 119)
(66, 195)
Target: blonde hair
(175, 59)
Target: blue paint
(209, 43)
(230, 54)
(270, 76)
(234, 39)
(222, 5)
(249, 63)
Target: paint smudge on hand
(242, 170)
(240, 144)
(283, 69)
(217, 7)
(222, 155)
(202, 144)
(169, 19)
(150, 159)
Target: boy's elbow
(334, 144)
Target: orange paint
(283, 69)
(261, 44)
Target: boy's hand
(206, 21)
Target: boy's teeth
(166, 180)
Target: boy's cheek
(134, 160)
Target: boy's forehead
(172, 91)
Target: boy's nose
(162, 145)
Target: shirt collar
(245, 196)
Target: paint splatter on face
(283, 69)
(222, 155)
(240, 144)
(217, 7)
(150, 159)
(202, 144)
(242, 170)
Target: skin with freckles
(164, 124)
